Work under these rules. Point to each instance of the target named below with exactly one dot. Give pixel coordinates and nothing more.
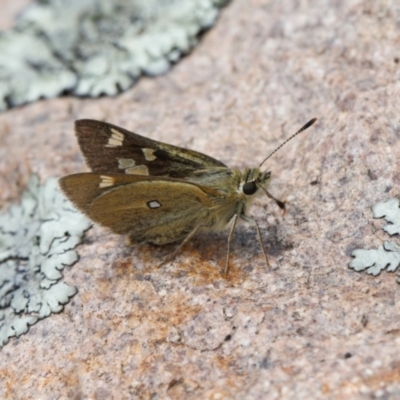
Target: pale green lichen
(37, 240)
(94, 47)
(386, 257)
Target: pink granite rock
(308, 327)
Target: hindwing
(148, 208)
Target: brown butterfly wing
(151, 209)
(110, 149)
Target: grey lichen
(94, 47)
(37, 240)
(387, 256)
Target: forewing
(110, 149)
(153, 209)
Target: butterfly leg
(254, 223)
(173, 255)
(234, 219)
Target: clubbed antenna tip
(302, 129)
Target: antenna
(302, 129)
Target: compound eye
(249, 188)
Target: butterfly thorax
(232, 182)
(238, 187)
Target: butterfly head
(255, 179)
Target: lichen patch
(37, 240)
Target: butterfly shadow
(206, 252)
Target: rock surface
(308, 327)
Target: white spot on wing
(106, 181)
(125, 163)
(149, 154)
(138, 170)
(116, 139)
(153, 204)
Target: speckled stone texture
(306, 328)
